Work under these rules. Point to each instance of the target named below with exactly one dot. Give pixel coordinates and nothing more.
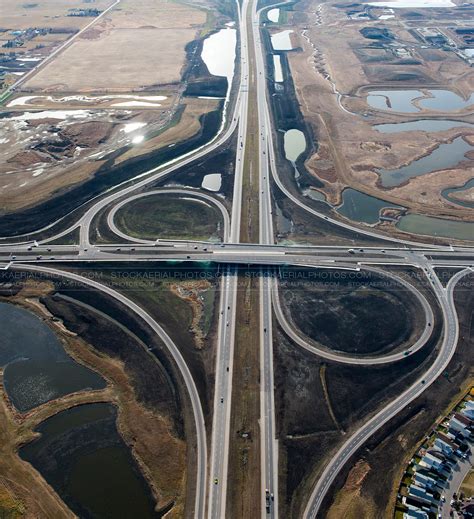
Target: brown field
(135, 46)
(45, 13)
(349, 148)
(187, 127)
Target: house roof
(462, 419)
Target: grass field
(137, 45)
(169, 217)
(467, 487)
(243, 497)
(47, 13)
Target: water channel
(412, 101)
(422, 125)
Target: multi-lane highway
(212, 480)
(218, 478)
(222, 396)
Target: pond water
(361, 207)
(212, 182)
(273, 15)
(431, 226)
(445, 100)
(83, 457)
(282, 40)
(278, 69)
(403, 100)
(295, 144)
(422, 125)
(218, 53)
(314, 194)
(37, 369)
(443, 157)
(465, 203)
(396, 100)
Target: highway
(222, 396)
(212, 479)
(269, 442)
(218, 478)
(244, 254)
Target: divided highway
(212, 479)
(218, 478)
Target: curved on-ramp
(312, 346)
(175, 191)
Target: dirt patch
(244, 491)
(68, 153)
(349, 503)
(191, 292)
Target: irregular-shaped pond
(37, 369)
